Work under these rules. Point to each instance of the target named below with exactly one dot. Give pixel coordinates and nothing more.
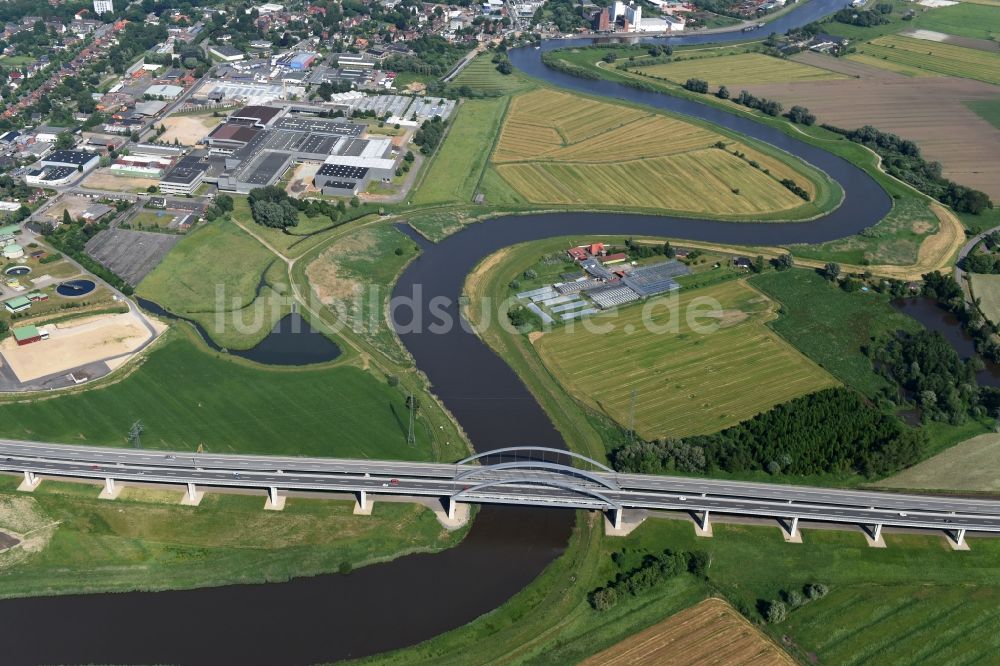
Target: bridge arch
(541, 449)
(581, 490)
(538, 464)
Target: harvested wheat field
(188, 130)
(742, 68)
(929, 110)
(710, 632)
(556, 148)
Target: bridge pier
(791, 533)
(111, 489)
(874, 536)
(704, 527)
(30, 482)
(192, 496)
(362, 507)
(957, 539)
(618, 524)
(451, 513)
(275, 502)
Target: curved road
(332, 617)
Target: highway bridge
(524, 475)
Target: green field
(935, 57)
(218, 258)
(353, 276)
(187, 398)
(146, 541)
(987, 109)
(972, 465)
(964, 19)
(815, 316)
(686, 382)
(294, 242)
(914, 599)
(481, 76)
(987, 289)
(736, 69)
(456, 168)
(553, 149)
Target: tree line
(830, 431)
(654, 569)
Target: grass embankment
(77, 543)
(455, 170)
(936, 57)
(877, 598)
(187, 398)
(353, 276)
(690, 376)
(553, 149)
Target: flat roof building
(226, 53)
(261, 116)
(186, 177)
(164, 91)
(72, 158)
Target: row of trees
(272, 207)
(901, 158)
(430, 134)
(830, 431)
(776, 610)
(654, 568)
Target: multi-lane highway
(524, 477)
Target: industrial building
(164, 91)
(186, 177)
(226, 53)
(73, 159)
(51, 176)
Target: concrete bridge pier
(791, 533)
(618, 524)
(874, 536)
(30, 482)
(275, 502)
(192, 496)
(363, 507)
(957, 540)
(702, 528)
(111, 489)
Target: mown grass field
(456, 168)
(972, 465)
(146, 541)
(686, 382)
(743, 68)
(481, 76)
(187, 398)
(353, 277)
(555, 149)
(987, 109)
(987, 288)
(966, 19)
(815, 316)
(709, 632)
(935, 57)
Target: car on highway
(394, 482)
(902, 514)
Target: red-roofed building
(597, 248)
(577, 253)
(615, 258)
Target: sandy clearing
(188, 130)
(73, 344)
(928, 110)
(102, 179)
(710, 632)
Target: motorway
(525, 481)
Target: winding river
(413, 598)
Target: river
(413, 598)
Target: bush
(776, 612)
(345, 567)
(696, 85)
(604, 598)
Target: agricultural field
(933, 111)
(965, 19)
(481, 76)
(709, 632)
(216, 258)
(686, 382)
(188, 399)
(554, 149)
(970, 466)
(812, 319)
(739, 69)
(936, 57)
(987, 288)
(987, 109)
(456, 168)
(76, 543)
(353, 277)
